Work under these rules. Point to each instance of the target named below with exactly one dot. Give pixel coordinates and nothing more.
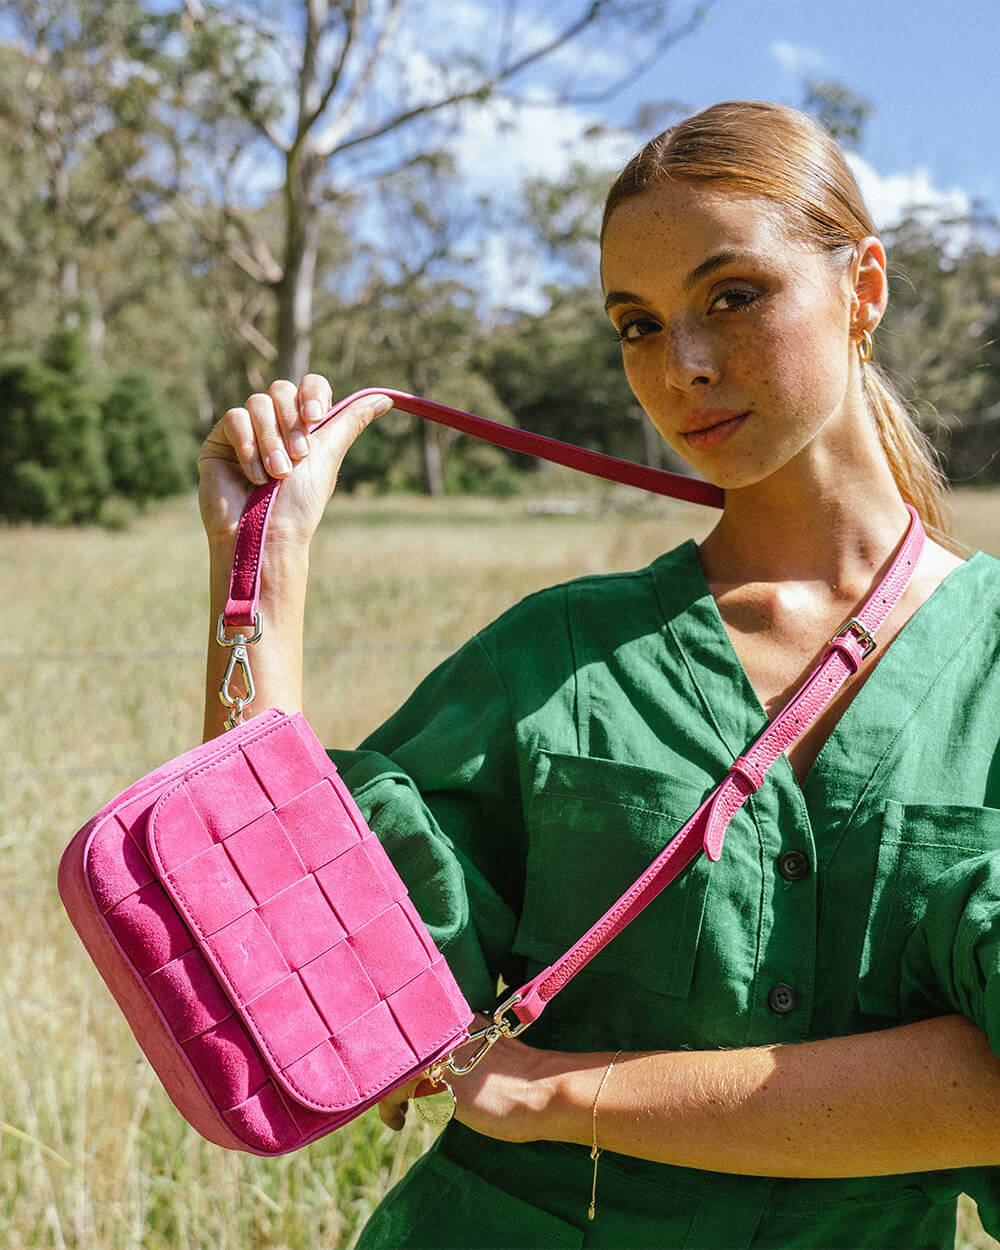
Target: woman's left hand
(504, 1096)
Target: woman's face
(735, 334)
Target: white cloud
(797, 59)
(502, 144)
(890, 196)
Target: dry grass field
(100, 680)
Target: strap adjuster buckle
(863, 636)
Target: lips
(712, 426)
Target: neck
(833, 515)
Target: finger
(270, 444)
(392, 1111)
(360, 414)
(293, 431)
(315, 398)
(237, 426)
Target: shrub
(71, 438)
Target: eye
(636, 329)
(738, 298)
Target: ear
(869, 285)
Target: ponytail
(912, 459)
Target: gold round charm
(436, 1109)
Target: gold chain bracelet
(595, 1152)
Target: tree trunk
(433, 466)
(295, 290)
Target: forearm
(276, 660)
(919, 1097)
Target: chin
(727, 475)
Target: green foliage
(52, 460)
(142, 450)
(561, 374)
(138, 140)
(940, 337)
(839, 109)
(77, 446)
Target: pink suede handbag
(255, 934)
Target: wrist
(284, 571)
(556, 1110)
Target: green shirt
(531, 778)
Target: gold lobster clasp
(488, 1036)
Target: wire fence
(196, 653)
(172, 653)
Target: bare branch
(317, 12)
(260, 342)
(262, 254)
(484, 89)
(217, 238)
(507, 29)
(355, 24)
(327, 142)
(634, 72)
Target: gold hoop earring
(865, 347)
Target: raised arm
(272, 435)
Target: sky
(929, 68)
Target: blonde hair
(782, 154)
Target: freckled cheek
(644, 378)
(800, 369)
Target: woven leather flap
(296, 907)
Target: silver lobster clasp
(239, 658)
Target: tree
(73, 439)
(76, 108)
(941, 331)
(839, 109)
(336, 93)
(416, 325)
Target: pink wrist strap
(244, 585)
(706, 829)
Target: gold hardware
(489, 1035)
(595, 1150)
(863, 636)
(438, 1108)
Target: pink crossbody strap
(244, 586)
(706, 829)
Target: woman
(804, 1027)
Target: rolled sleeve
(951, 960)
(438, 784)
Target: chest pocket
(918, 843)
(594, 825)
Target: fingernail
(278, 463)
(257, 473)
(382, 404)
(313, 411)
(299, 442)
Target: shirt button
(793, 865)
(783, 999)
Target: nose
(688, 359)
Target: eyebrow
(728, 256)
